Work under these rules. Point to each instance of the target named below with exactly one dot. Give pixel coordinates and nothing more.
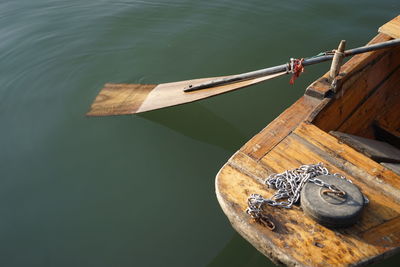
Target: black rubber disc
(329, 209)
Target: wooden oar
(120, 99)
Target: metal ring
(268, 223)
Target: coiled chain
(288, 185)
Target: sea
(138, 190)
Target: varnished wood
(380, 100)
(355, 90)
(299, 136)
(392, 28)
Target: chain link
(288, 185)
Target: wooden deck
(368, 84)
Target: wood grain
(291, 140)
(354, 162)
(377, 150)
(384, 235)
(357, 89)
(389, 118)
(264, 141)
(392, 166)
(121, 99)
(392, 28)
(298, 240)
(381, 99)
(295, 151)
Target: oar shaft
(286, 67)
(373, 47)
(238, 78)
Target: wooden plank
(298, 240)
(376, 150)
(276, 163)
(320, 88)
(387, 125)
(355, 90)
(392, 28)
(382, 99)
(392, 166)
(279, 128)
(250, 167)
(384, 235)
(294, 151)
(373, 173)
(390, 119)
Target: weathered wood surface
(388, 121)
(375, 174)
(381, 100)
(390, 117)
(376, 150)
(290, 141)
(355, 90)
(122, 99)
(392, 28)
(279, 128)
(337, 60)
(392, 166)
(358, 78)
(298, 240)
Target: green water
(139, 190)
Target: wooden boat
(349, 131)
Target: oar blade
(119, 99)
(122, 99)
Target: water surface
(139, 190)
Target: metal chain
(288, 185)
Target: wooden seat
(374, 149)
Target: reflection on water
(139, 190)
(238, 253)
(199, 123)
